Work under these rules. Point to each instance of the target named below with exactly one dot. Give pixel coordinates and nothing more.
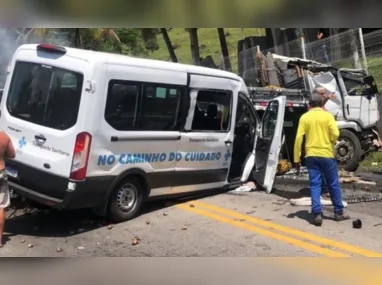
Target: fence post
(303, 48)
(363, 52)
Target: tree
(224, 48)
(149, 37)
(170, 48)
(77, 35)
(194, 45)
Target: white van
(108, 132)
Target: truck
(355, 107)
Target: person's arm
(298, 141)
(334, 132)
(11, 153)
(327, 97)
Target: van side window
(142, 106)
(160, 107)
(270, 120)
(122, 105)
(212, 111)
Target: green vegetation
(208, 42)
(372, 162)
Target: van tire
(349, 137)
(129, 193)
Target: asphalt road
(252, 224)
(246, 224)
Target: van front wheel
(125, 200)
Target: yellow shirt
(321, 134)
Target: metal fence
(350, 49)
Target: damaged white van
(108, 132)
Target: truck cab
(355, 107)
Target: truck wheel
(348, 151)
(126, 200)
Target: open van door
(268, 144)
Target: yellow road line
(297, 233)
(290, 240)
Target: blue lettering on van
(138, 158)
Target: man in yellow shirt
(321, 133)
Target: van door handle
(40, 138)
(347, 108)
(228, 142)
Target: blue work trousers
(319, 168)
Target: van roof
(96, 56)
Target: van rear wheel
(125, 200)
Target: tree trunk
(78, 38)
(170, 48)
(194, 44)
(224, 48)
(275, 44)
(354, 48)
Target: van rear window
(45, 95)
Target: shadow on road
(29, 221)
(292, 194)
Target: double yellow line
(265, 228)
(346, 271)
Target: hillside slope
(208, 42)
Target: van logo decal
(22, 142)
(137, 158)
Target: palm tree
(169, 45)
(224, 48)
(194, 45)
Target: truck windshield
(45, 95)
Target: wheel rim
(344, 150)
(127, 197)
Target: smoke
(8, 45)
(11, 39)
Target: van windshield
(45, 95)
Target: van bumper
(90, 193)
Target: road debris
(147, 222)
(247, 187)
(30, 245)
(135, 241)
(80, 248)
(192, 206)
(23, 241)
(357, 224)
(283, 167)
(307, 201)
(165, 214)
(184, 228)
(110, 227)
(59, 249)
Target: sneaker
(341, 217)
(317, 221)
